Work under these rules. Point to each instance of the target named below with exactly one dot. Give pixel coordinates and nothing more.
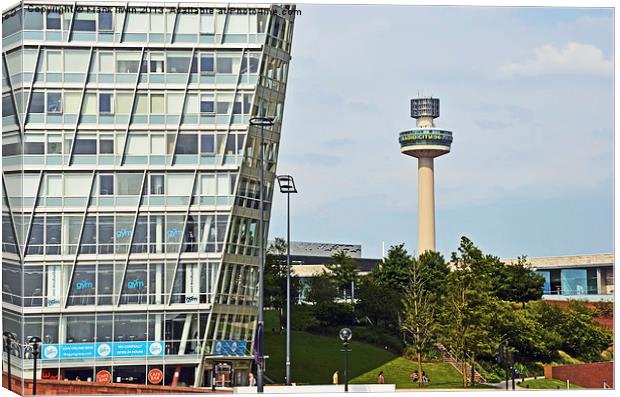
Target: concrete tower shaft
(425, 142)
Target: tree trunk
(420, 380)
(473, 371)
(464, 371)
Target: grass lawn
(316, 357)
(546, 384)
(398, 371)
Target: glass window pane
(207, 144)
(187, 144)
(54, 102)
(33, 20)
(137, 145)
(177, 64)
(106, 62)
(37, 102)
(54, 61)
(105, 20)
(72, 102)
(105, 103)
(84, 22)
(157, 104)
(106, 185)
(53, 21)
(129, 184)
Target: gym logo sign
(84, 285)
(134, 284)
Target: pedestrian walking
(252, 379)
(381, 379)
(335, 378)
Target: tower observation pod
(425, 142)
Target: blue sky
(527, 93)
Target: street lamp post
(9, 339)
(345, 335)
(287, 186)
(260, 370)
(35, 341)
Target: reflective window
(37, 102)
(105, 21)
(53, 21)
(106, 235)
(80, 329)
(106, 185)
(82, 290)
(187, 144)
(157, 184)
(33, 20)
(85, 146)
(207, 144)
(105, 103)
(207, 64)
(177, 64)
(84, 22)
(54, 102)
(224, 64)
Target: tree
(342, 271)
(468, 309)
(321, 289)
(434, 271)
(394, 271)
(518, 283)
(275, 279)
(419, 322)
(377, 310)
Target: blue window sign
(230, 348)
(101, 350)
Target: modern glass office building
(130, 185)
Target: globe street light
(35, 342)
(9, 340)
(287, 186)
(260, 331)
(345, 335)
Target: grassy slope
(315, 358)
(546, 384)
(398, 371)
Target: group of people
(415, 378)
(381, 378)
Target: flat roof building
(130, 185)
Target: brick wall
(55, 387)
(586, 375)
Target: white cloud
(573, 58)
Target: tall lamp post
(287, 186)
(9, 340)
(35, 342)
(261, 121)
(345, 335)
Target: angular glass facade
(130, 184)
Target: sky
(527, 92)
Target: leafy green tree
(322, 290)
(343, 271)
(518, 283)
(419, 322)
(433, 271)
(394, 271)
(376, 301)
(275, 279)
(468, 309)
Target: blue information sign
(230, 348)
(101, 350)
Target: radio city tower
(425, 142)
